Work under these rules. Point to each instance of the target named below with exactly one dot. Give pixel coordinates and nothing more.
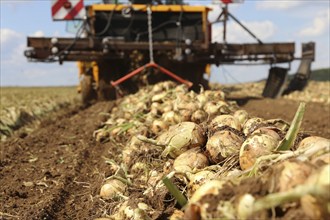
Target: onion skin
(323, 158)
(177, 215)
(171, 117)
(313, 208)
(270, 131)
(212, 187)
(225, 120)
(198, 179)
(112, 188)
(199, 116)
(251, 125)
(314, 140)
(292, 174)
(190, 160)
(196, 207)
(182, 137)
(255, 146)
(158, 126)
(242, 116)
(222, 145)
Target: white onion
(224, 120)
(251, 125)
(223, 144)
(190, 160)
(112, 188)
(255, 146)
(242, 116)
(182, 137)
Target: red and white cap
(68, 10)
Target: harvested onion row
(208, 148)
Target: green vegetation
(321, 74)
(22, 105)
(318, 75)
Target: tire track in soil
(56, 171)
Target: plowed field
(56, 171)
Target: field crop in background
(22, 105)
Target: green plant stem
(175, 192)
(291, 135)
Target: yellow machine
(121, 47)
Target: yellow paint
(154, 8)
(96, 75)
(83, 67)
(208, 69)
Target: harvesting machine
(122, 46)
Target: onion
(215, 95)
(255, 146)
(321, 179)
(245, 206)
(270, 131)
(163, 86)
(197, 208)
(158, 126)
(222, 145)
(190, 160)
(292, 174)
(185, 105)
(101, 134)
(211, 108)
(177, 215)
(198, 179)
(167, 106)
(171, 117)
(181, 137)
(279, 123)
(211, 187)
(155, 109)
(181, 89)
(139, 167)
(185, 114)
(159, 97)
(251, 125)
(325, 158)
(313, 141)
(129, 150)
(201, 100)
(216, 108)
(112, 188)
(313, 208)
(199, 116)
(242, 116)
(224, 120)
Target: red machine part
(231, 1)
(151, 65)
(68, 10)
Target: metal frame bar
(151, 65)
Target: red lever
(153, 65)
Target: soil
(56, 171)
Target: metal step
(275, 82)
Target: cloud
(38, 33)
(319, 26)
(16, 70)
(236, 34)
(8, 35)
(277, 5)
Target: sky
(272, 21)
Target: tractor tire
(87, 91)
(105, 91)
